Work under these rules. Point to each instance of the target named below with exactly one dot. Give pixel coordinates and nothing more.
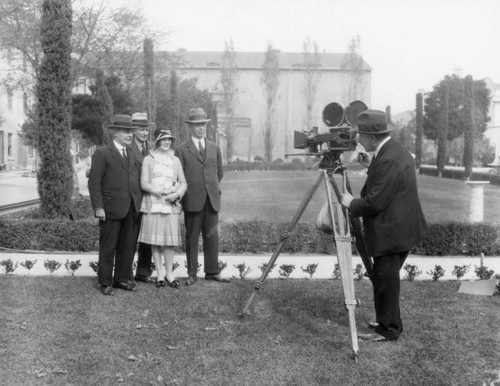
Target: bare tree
(270, 82)
(353, 62)
(229, 77)
(103, 37)
(312, 74)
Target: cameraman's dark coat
(389, 205)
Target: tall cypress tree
(105, 104)
(229, 78)
(443, 132)
(419, 131)
(173, 119)
(270, 82)
(468, 126)
(149, 79)
(55, 174)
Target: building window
(9, 145)
(9, 99)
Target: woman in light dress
(164, 184)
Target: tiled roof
(255, 60)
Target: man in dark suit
(202, 164)
(140, 147)
(115, 193)
(392, 217)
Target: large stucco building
(334, 85)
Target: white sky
(410, 44)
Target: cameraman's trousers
(386, 287)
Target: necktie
(201, 149)
(124, 153)
(143, 149)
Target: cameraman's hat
(372, 122)
(121, 122)
(197, 116)
(140, 119)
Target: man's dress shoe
(132, 283)
(191, 280)
(107, 290)
(124, 286)
(143, 279)
(216, 277)
(373, 337)
(372, 325)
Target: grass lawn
(276, 196)
(62, 331)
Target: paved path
(17, 186)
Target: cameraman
(392, 217)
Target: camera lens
(333, 114)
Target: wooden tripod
(342, 224)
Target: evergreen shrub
(442, 239)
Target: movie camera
(339, 138)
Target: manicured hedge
(247, 237)
(454, 238)
(49, 235)
(458, 174)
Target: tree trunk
(419, 131)
(468, 127)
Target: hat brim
(118, 127)
(197, 121)
(357, 130)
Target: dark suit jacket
(114, 185)
(137, 152)
(389, 203)
(203, 176)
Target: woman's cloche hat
(164, 134)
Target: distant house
(334, 85)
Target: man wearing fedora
(392, 217)
(202, 164)
(140, 147)
(115, 193)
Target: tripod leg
(344, 257)
(284, 239)
(356, 228)
(343, 241)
